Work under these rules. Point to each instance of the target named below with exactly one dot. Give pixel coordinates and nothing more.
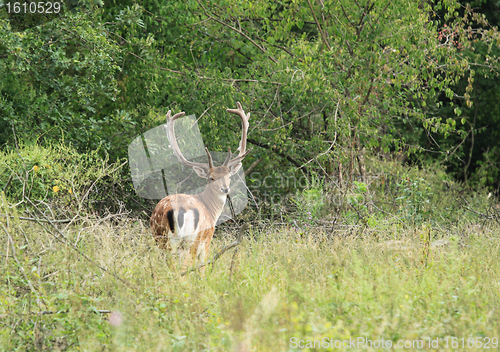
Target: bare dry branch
(21, 268)
(63, 239)
(63, 221)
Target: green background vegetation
(374, 168)
(326, 82)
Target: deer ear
(200, 171)
(234, 168)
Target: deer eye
(211, 178)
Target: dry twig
(64, 240)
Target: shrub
(57, 176)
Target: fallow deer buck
(184, 224)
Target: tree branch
(274, 150)
(205, 77)
(64, 240)
(323, 36)
(240, 32)
(64, 221)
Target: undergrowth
(405, 256)
(107, 287)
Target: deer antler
(210, 162)
(244, 130)
(203, 169)
(175, 147)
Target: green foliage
(324, 83)
(74, 315)
(56, 174)
(340, 80)
(58, 77)
(474, 150)
(336, 91)
(414, 202)
(357, 197)
(310, 203)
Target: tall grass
(408, 257)
(284, 287)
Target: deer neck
(213, 201)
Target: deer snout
(224, 190)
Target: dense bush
(60, 177)
(325, 83)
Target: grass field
(106, 286)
